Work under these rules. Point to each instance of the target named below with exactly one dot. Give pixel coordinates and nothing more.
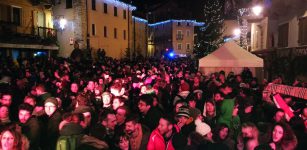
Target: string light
(118, 3)
(139, 19)
(244, 12)
(194, 22)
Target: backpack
(67, 142)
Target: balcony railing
(285, 52)
(45, 32)
(37, 35)
(179, 37)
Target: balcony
(10, 33)
(179, 37)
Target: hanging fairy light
(243, 14)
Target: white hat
(202, 128)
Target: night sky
(189, 9)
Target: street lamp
(257, 10)
(236, 32)
(63, 23)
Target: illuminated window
(179, 46)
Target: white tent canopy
(229, 57)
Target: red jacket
(157, 142)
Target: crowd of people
(146, 104)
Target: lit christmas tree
(209, 37)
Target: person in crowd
(138, 133)
(107, 100)
(30, 126)
(122, 142)
(149, 114)
(41, 94)
(11, 140)
(31, 100)
(180, 142)
(229, 112)
(104, 130)
(209, 113)
(168, 86)
(185, 121)
(6, 99)
(4, 115)
(161, 137)
(51, 121)
(117, 102)
(279, 116)
(194, 140)
(282, 137)
(122, 112)
(221, 135)
(88, 118)
(70, 101)
(195, 112)
(184, 92)
(249, 137)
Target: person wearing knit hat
(184, 92)
(183, 111)
(185, 121)
(51, 105)
(52, 122)
(202, 128)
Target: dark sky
(194, 7)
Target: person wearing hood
(229, 114)
(209, 113)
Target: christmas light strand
(118, 3)
(139, 19)
(194, 22)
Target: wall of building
(64, 36)
(139, 38)
(278, 16)
(114, 47)
(260, 38)
(187, 39)
(80, 23)
(162, 38)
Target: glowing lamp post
(257, 10)
(63, 23)
(236, 32)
